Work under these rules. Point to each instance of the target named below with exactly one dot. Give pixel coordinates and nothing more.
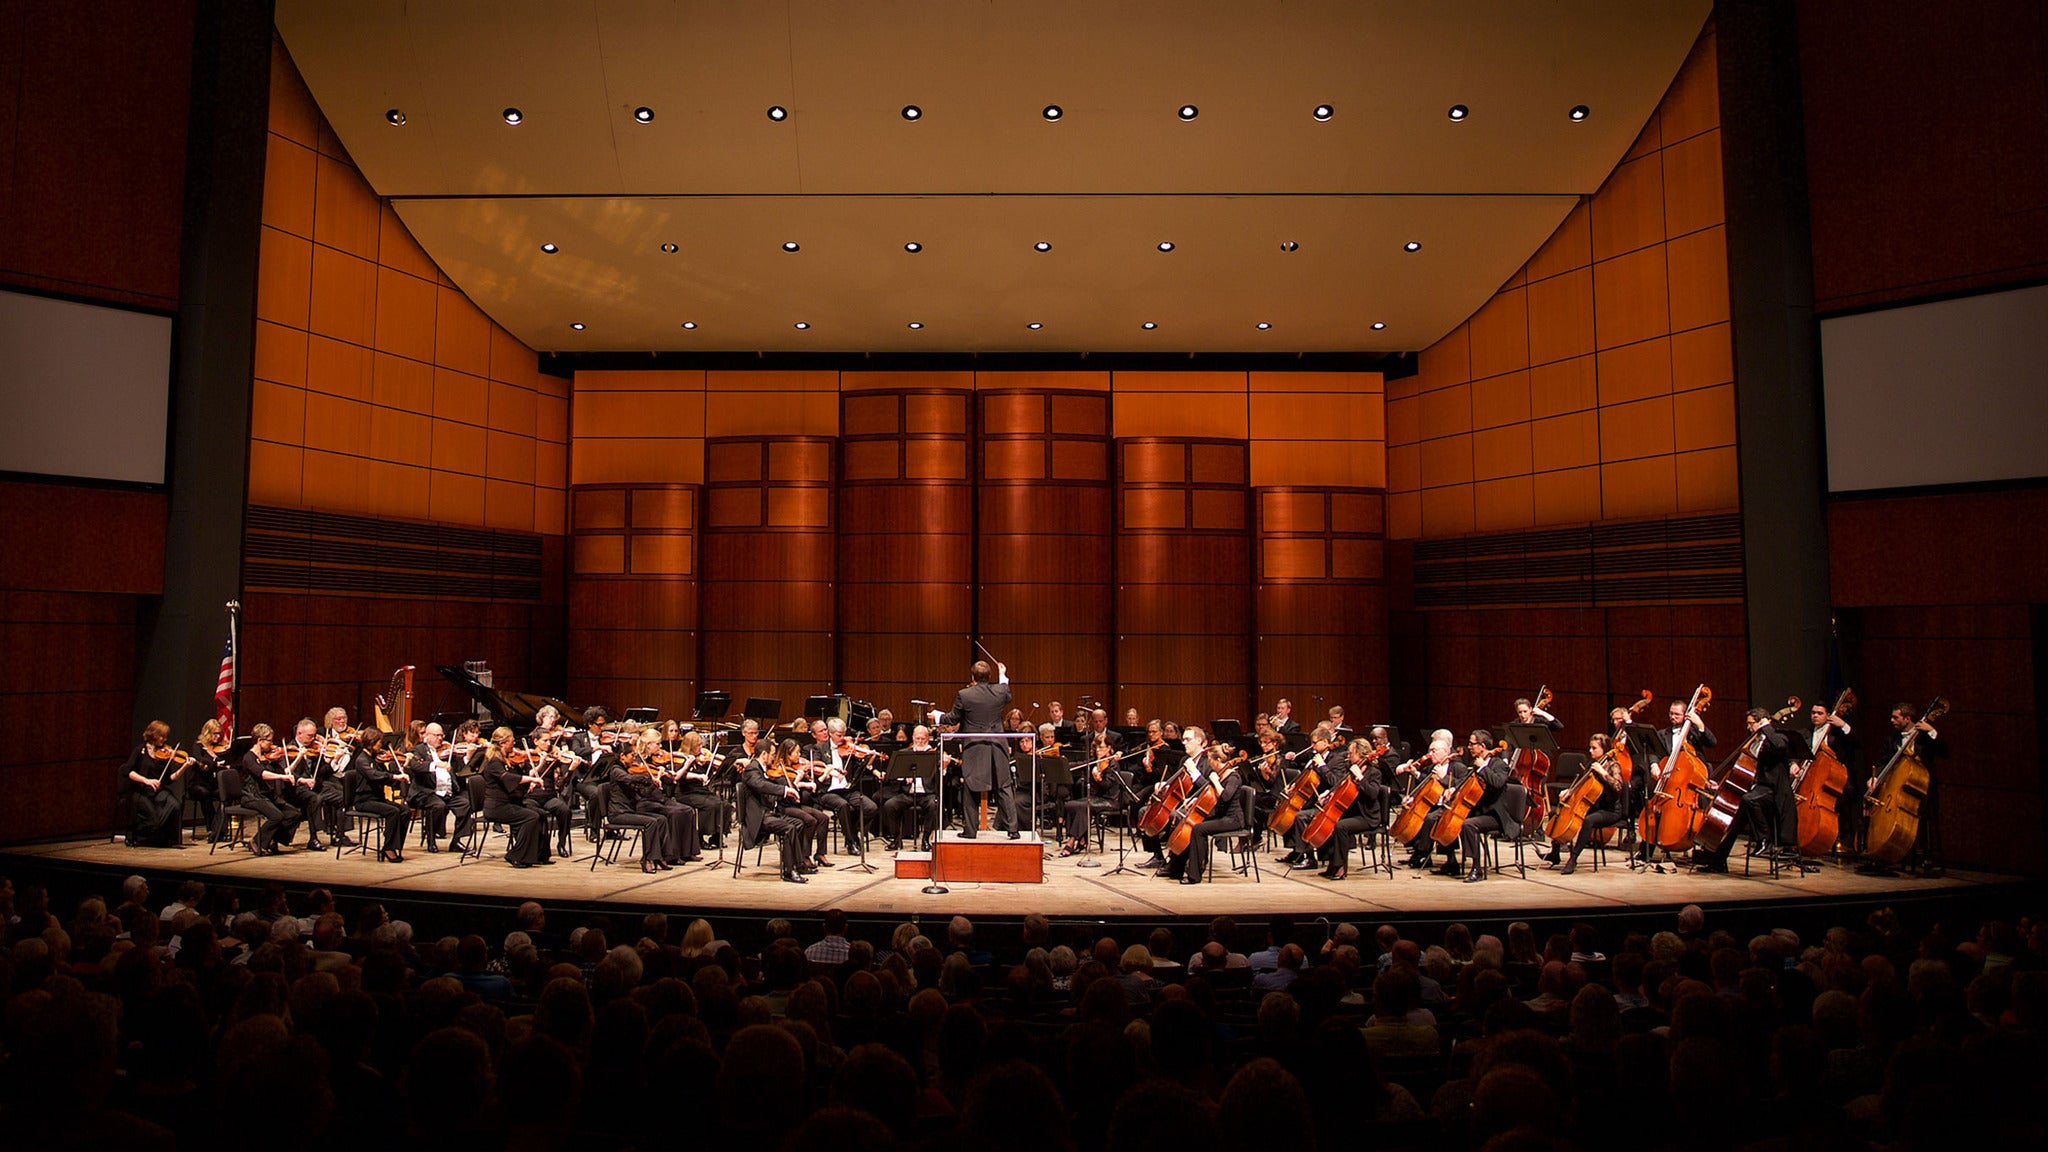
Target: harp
(394, 704)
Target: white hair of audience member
(627, 958)
(516, 939)
(385, 935)
(920, 944)
(1489, 943)
(402, 929)
(285, 930)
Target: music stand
(1052, 767)
(935, 888)
(767, 709)
(1225, 731)
(1295, 741)
(711, 706)
(1649, 744)
(643, 715)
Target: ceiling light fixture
(1412, 246)
(790, 246)
(1324, 111)
(800, 325)
(1042, 246)
(514, 116)
(689, 325)
(394, 116)
(1166, 245)
(913, 246)
(1289, 246)
(1579, 112)
(550, 249)
(1189, 112)
(577, 325)
(778, 113)
(916, 324)
(1459, 112)
(912, 112)
(644, 114)
(1262, 325)
(1034, 325)
(1378, 325)
(669, 248)
(1148, 325)
(1052, 112)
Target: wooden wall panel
(906, 542)
(768, 568)
(1320, 600)
(633, 598)
(1183, 603)
(1043, 538)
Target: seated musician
(1158, 757)
(1267, 773)
(843, 763)
(1226, 815)
(148, 780)
(508, 774)
(262, 775)
(1098, 787)
(591, 748)
(431, 768)
(899, 798)
(1450, 770)
(466, 750)
(1029, 760)
(340, 741)
(306, 768)
(695, 767)
(762, 797)
(635, 800)
(1321, 757)
(551, 795)
(1767, 807)
(1194, 745)
(815, 761)
(377, 769)
(200, 782)
(1499, 808)
(681, 845)
(1362, 817)
(1605, 812)
(1283, 717)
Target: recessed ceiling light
(1324, 112)
(1459, 112)
(395, 117)
(1412, 246)
(912, 112)
(778, 112)
(1189, 111)
(669, 248)
(1148, 325)
(1166, 245)
(690, 325)
(1579, 112)
(1034, 325)
(1289, 246)
(550, 249)
(801, 325)
(916, 324)
(1378, 324)
(790, 246)
(643, 114)
(514, 116)
(913, 246)
(1262, 325)
(1052, 112)
(1042, 246)
(578, 325)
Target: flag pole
(235, 650)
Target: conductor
(984, 764)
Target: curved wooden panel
(768, 568)
(1044, 539)
(632, 585)
(906, 554)
(1321, 600)
(1184, 561)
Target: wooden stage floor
(1068, 890)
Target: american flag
(224, 689)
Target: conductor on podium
(984, 764)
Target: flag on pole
(224, 689)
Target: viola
(1530, 769)
(1819, 789)
(1468, 793)
(1672, 814)
(1894, 803)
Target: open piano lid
(516, 709)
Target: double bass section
(1672, 815)
(1895, 799)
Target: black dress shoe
(433, 847)
(967, 833)
(1570, 866)
(789, 875)
(1549, 857)
(1189, 880)
(1154, 861)
(807, 869)
(1450, 869)
(1013, 833)
(521, 864)
(344, 841)
(544, 863)
(314, 845)
(1475, 876)
(1305, 864)
(1339, 874)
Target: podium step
(989, 858)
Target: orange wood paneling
(1561, 316)
(1565, 386)
(1629, 298)
(1635, 371)
(1628, 211)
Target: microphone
(914, 700)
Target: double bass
(1723, 804)
(1669, 818)
(1819, 789)
(1460, 804)
(1894, 801)
(1531, 768)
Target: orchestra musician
(900, 797)
(508, 774)
(262, 774)
(842, 764)
(1928, 748)
(1831, 731)
(636, 801)
(1226, 816)
(431, 768)
(1098, 787)
(1146, 767)
(306, 769)
(762, 797)
(984, 764)
(376, 769)
(681, 844)
(201, 782)
(1193, 762)
(1500, 806)
(1321, 757)
(1268, 774)
(338, 744)
(591, 750)
(1698, 735)
(547, 794)
(1362, 817)
(1283, 717)
(148, 779)
(1605, 812)
(1435, 764)
(1767, 807)
(694, 766)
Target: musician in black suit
(1283, 717)
(305, 770)
(505, 786)
(635, 799)
(591, 749)
(1928, 748)
(1362, 816)
(900, 797)
(435, 792)
(697, 764)
(1500, 806)
(1682, 723)
(1767, 807)
(1226, 816)
(1827, 730)
(262, 773)
(761, 798)
(148, 782)
(375, 769)
(984, 764)
(1322, 755)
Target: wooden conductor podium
(991, 857)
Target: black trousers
(901, 805)
(153, 818)
(711, 812)
(397, 822)
(1004, 808)
(199, 786)
(653, 832)
(1345, 837)
(1197, 865)
(307, 801)
(277, 821)
(679, 828)
(1477, 825)
(1759, 813)
(1424, 845)
(592, 793)
(331, 801)
(1596, 819)
(434, 808)
(812, 828)
(856, 813)
(528, 831)
(786, 829)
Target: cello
(1723, 804)
(1570, 815)
(1160, 813)
(1308, 784)
(1819, 788)
(1343, 794)
(1530, 769)
(1199, 806)
(1668, 819)
(1459, 806)
(1894, 801)
(1422, 796)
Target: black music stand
(911, 765)
(1649, 749)
(824, 707)
(766, 709)
(643, 715)
(711, 706)
(1051, 768)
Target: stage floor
(1068, 890)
